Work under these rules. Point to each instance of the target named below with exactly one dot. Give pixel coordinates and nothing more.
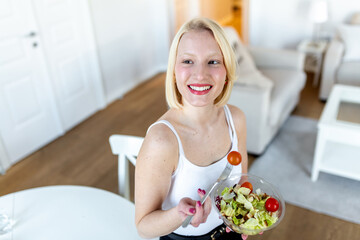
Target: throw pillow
(350, 34)
(246, 71)
(245, 63)
(256, 79)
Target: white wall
(284, 23)
(133, 36)
(133, 40)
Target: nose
(200, 71)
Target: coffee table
(69, 212)
(338, 141)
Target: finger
(201, 192)
(186, 207)
(192, 211)
(199, 216)
(260, 233)
(244, 237)
(228, 229)
(207, 204)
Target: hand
(187, 206)
(243, 236)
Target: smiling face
(200, 72)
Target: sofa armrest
(333, 58)
(277, 58)
(254, 102)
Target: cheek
(177, 72)
(220, 74)
(179, 76)
(181, 73)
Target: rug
(287, 163)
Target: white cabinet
(49, 74)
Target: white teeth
(200, 88)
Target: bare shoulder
(160, 148)
(160, 135)
(238, 115)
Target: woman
(185, 151)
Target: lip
(199, 92)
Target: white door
(71, 54)
(28, 116)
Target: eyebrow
(215, 54)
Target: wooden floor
(83, 157)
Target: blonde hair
(173, 96)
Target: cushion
(350, 34)
(246, 71)
(245, 62)
(255, 78)
(287, 85)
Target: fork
(224, 175)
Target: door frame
(4, 159)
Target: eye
(214, 62)
(187, 61)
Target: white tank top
(188, 178)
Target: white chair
(127, 148)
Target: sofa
(342, 58)
(267, 89)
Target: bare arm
(155, 164)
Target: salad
(247, 209)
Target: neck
(201, 116)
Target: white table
(69, 213)
(338, 141)
(314, 56)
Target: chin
(202, 104)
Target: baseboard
(127, 88)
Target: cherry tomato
(272, 205)
(234, 158)
(247, 185)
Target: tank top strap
(167, 123)
(231, 124)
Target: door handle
(30, 35)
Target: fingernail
(192, 210)
(199, 190)
(198, 203)
(203, 191)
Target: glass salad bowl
(250, 213)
